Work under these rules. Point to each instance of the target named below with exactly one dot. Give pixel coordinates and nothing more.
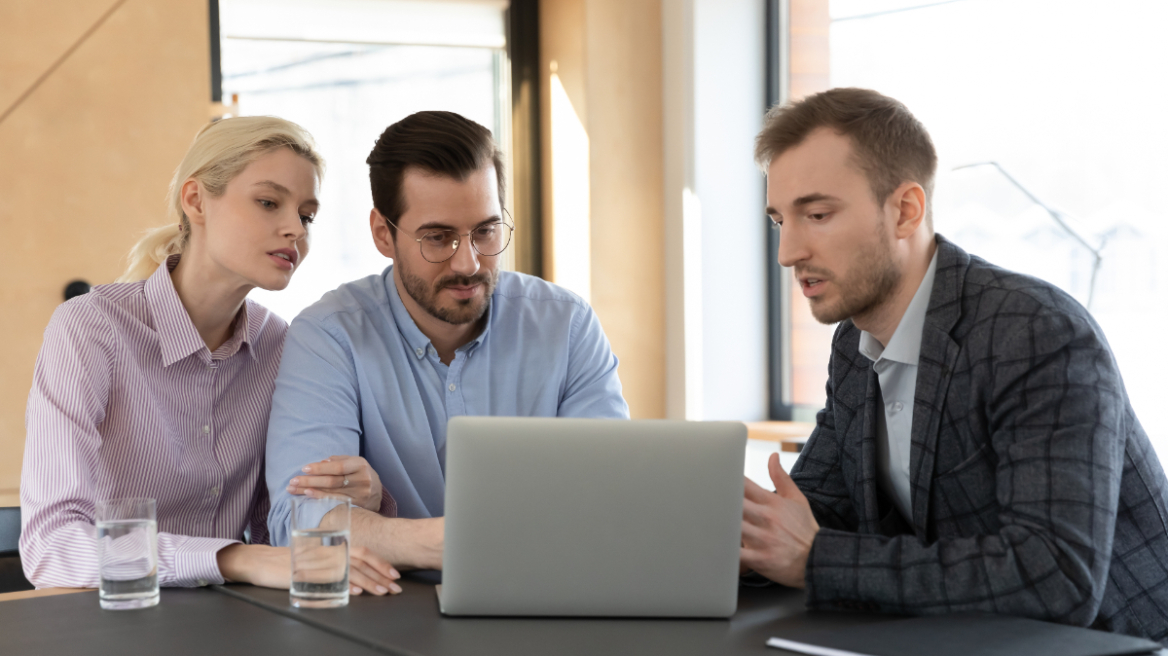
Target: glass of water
(320, 552)
(127, 553)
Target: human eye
(437, 238)
(267, 204)
(487, 231)
(307, 218)
(818, 216)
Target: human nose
(293, 226)
(465, 260)
(792, 248)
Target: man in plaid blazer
(977, 450)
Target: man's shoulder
(1013, 291)
(363, 296)
(523, 291)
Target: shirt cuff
(388, 504)
(194, 562)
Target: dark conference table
(241, 619)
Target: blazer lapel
(870, 515)
(934, 371)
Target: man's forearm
(407, 543)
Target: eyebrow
(438, 225)
(281, 189)
(812, 198)
(803, 200)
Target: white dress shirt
(896, 368)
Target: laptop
(592, 517)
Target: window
(346, 70)
(1046, 118)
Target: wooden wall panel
(625, 114)
(607, 55)
(85, 159)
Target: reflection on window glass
(346, 94)
(1065, 99)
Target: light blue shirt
(358, 377)
(896, 368)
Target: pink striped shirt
(127, 401)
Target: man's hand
(410, 543)
(271, 567)
(349, 476)
(777, 528)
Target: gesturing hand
(349, 476)
(777, 528)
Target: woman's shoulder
(263, 325)
(104, 304)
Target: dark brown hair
(890, 144)
(442, 143)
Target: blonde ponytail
(220, 151)
(152, 250)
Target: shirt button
(206, 430)
(420, 351)
(451, 387)
(215, 491)
(898, 406)
(203, 582)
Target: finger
(377, 562)
(370, 579)
(754, 536)
(335, 466)
(757, 493)
(320, 482)
(782, 480)
(758, 514)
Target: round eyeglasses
(440, 244)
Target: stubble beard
(874, 278)
(465, 311)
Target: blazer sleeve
(1055, 409)
(819, 476)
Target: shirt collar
(177, 336)
(905, 345)
(413, 335)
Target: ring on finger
(346, 482)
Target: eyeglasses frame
(506, 221)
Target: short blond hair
(219, 152)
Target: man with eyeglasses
(372, 372)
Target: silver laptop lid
(592, 517)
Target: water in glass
(127, 554)
(320, 568)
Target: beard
(872, 279)
(462, 311)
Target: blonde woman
(160, 385)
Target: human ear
(382, 237)
(191, 196)
(909, 202)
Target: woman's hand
(271, 567)
(349, 476)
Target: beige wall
(607, 55)
(85, 159)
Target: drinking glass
(127, 553)
(320, 552)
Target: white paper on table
(804, 648)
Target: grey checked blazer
(1035, 491)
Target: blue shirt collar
(413, 335)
